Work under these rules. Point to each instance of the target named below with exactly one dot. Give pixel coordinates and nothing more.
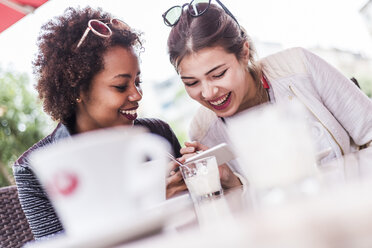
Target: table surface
(330, 209)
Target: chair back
(14, 228)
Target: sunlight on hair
(189, 44)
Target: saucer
(150, 222)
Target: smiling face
(114, 93)
(217, 80)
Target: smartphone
(222, 152)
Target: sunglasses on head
(102, 29)
(195, 8)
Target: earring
(78, 100)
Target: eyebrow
(125, 75)
(215, 68)
(211, 70)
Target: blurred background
(340, 31)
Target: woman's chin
(224, 113)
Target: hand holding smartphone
(222, 152)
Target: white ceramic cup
(100, 179)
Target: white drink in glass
(202, 177)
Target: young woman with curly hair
(88, 78)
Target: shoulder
(154, 125)
(201, 122)
(288, 54)
(161, 128)
(23, 160)
(285, 63)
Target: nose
(208, 90)
(135, 94)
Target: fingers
(228, 178)
(192, 147)
(187, 150)
(174, 179)
(225, 172)
(198, 146)
(173, 172)
(175, 190)
(171, 166)
(175, 184)
(191, 143)
(185, 157)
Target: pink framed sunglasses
(102, 29)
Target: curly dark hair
(62, 70)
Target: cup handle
(150, 145)
(143, 146)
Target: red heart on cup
(63, 183)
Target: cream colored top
(341, 111)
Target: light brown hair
(213, 28)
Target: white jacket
(341, 107)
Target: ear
(81, 97)
(245, 54)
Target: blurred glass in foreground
(275, 150)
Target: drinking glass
(202, 178)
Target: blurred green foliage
(365, 83)
(178, 124)
(22, 121)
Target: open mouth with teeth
(221, 102)
(130, 114)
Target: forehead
(204, 60)
(119, 57)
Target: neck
(258, 95)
